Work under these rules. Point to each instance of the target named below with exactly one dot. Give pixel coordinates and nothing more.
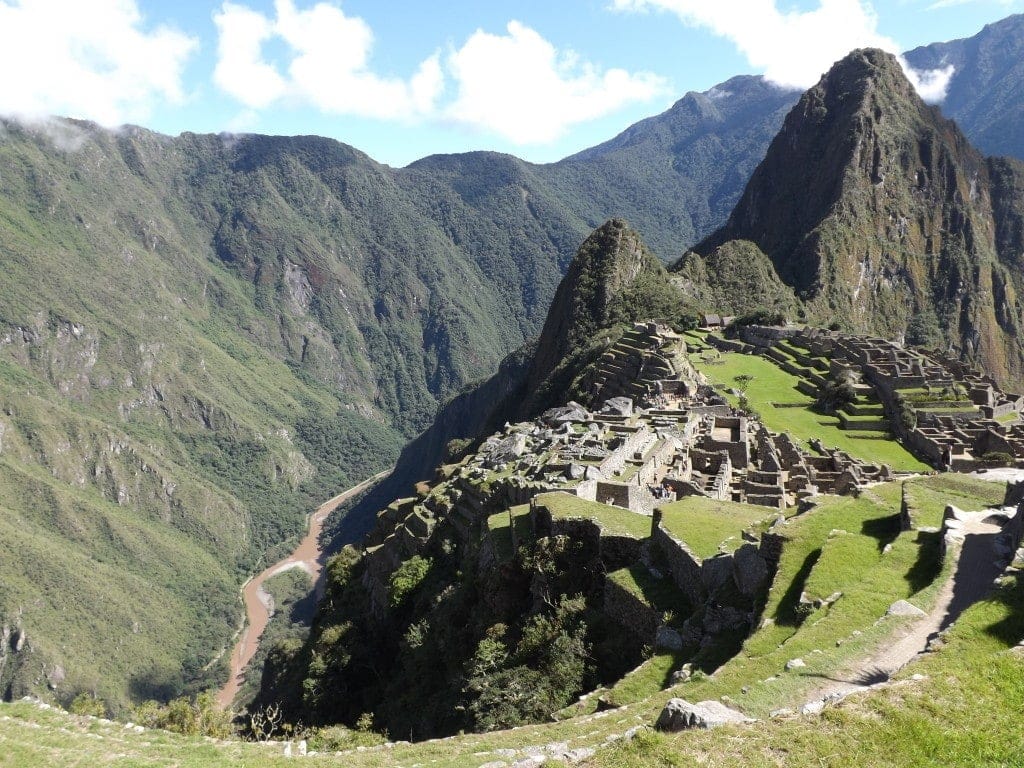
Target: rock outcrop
(681, 715)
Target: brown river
(307, 556)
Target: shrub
(839, 390)
(192, 717)
(455, 449)
(687, 321)
(87, 704)
(905, 413)
(997, 459)
(338, 738)
(406, 578)
(758, 317)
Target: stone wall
(763, 336)
(684, 566)
(626, 495)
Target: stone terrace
(947, 413)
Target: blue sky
(401, 79)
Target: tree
(743, 381)
(839, 390)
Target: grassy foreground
(964, 710)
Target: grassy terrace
(772, 387)
(836, 547)
(705, 523)
(498, 525)
(613, 521)
(661, 594)
(966, 711)
(927, 497)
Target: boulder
(903, 608)
(679, 715)
(620, 406)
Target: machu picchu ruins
(679, 492)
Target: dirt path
(258, 603)
(976, 568)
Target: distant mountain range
(201, 335)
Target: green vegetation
(771, 388)
(661, 594)
(613, 521)
(964, 711)
(736, 279)
(926, 498)
(406, 578)
(705, 524)
(199, 716)
(837, 547)
(612, 281)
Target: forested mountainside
(881, 217)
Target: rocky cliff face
(880, 215)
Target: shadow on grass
(678, 659)
(883, 529)
(1010, 629)
(928, 565)
(788, 613)
(867, 676)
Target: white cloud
(521, 87)
(794, 48)
(329, 66)
(931, 84)
(94, 60)
(517, 85)
(240, 69)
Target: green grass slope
(958, 705)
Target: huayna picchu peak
(880, 216)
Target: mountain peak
(613, 278)
(836, 138)
(877, 211)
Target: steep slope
(165, 419)
(431, 625)
(882, 217)
(676, 176)
(612, 280)
(986, 93)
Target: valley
(309, 557)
